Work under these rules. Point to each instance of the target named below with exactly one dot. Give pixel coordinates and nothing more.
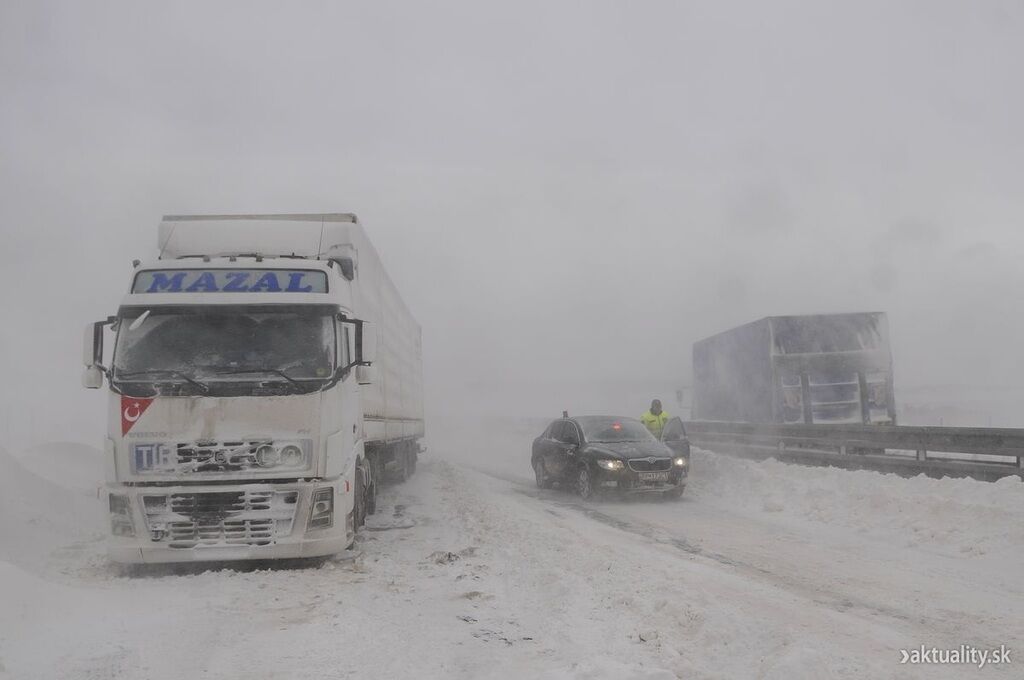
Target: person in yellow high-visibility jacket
(655, 419)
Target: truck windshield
(203, 345)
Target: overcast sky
(567, 194)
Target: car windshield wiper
(164, 371)
(275, 371)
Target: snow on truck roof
(313, 236)
(292, 217)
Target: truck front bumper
(158, 524)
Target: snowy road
(762, 570)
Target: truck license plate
(653, 476)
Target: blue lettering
(162, 282)
(236, 282)
(205, 283)
(294, 281)
(267, 282)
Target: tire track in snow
(801, 584)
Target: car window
(570, 435)
(555, 431)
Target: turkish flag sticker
(132, 409)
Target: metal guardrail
(905, 450)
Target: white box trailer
(265, 377)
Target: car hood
(629, 450)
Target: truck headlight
(291, 455)
(121, 523)
(267, 456)
(321, 512)
(611, 464)
(680, 462)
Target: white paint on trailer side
(396, 397)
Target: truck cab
(237, 382)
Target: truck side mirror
(92, 378)
(366, 346)
(92, 354)
(366, 375)
(92, 344)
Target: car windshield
(225, 344)
(610, 429)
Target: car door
(674, 437)
(562, 448)
(542, 443)
(569, 447)
(549, 448)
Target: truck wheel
(584, 483)
(359, 501)
(543, 479)
(402, 471)
(371, 498)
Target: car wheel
(543, 480)
(584, 483)
(676, 493)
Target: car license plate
(653, 476)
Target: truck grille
(216, 457)
(200, 455)
(650, 464)
(189, 520)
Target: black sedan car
(594, 454)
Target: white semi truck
(265, 376)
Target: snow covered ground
(762, 570)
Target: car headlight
(679, 462)
(611, 464)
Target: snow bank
(75, 467)
(39, 516)
(957, 515)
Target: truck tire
(371, 498)
(402, 465)
(359, 503)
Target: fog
(568, 195)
